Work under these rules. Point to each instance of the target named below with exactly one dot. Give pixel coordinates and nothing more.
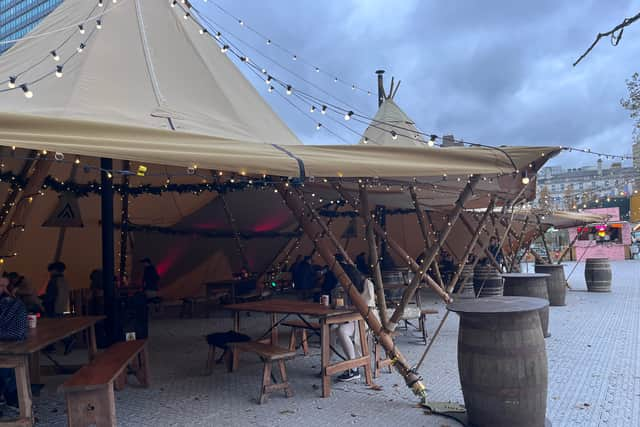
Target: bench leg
(92, 407)
(423, 327)
(305, 344)
(292, 340)
(364, 345)
(211, 359)
(288, 392)
(266, 382)
(142, 371)
(121, 381)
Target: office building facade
(18, 17)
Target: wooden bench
(300, 327)
(89, 392)
(269, 354)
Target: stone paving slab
(594, 373)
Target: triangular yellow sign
(66, 213)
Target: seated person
(26, 293)
(344, 333)
(247, 284)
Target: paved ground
(594, 374)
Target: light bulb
(394, 135)
(100, 3)
(224, 48)
(55, 56)
(318, 126)
(317, 70)
(348, 115)
(289, 90)
(99, 24)
(268, 42)
(295, 57)
(174, 3)
(218, 35)
(270, 88)
(77, 161)
(27, 92)
(81, 28)
(324, 109)
(312, 109)
(12, 83)
(186, 16)
(268, 80)
(525, 180)
(432, 141)
(59, 71)
(81, 47)
(366, 140)
(202, 31)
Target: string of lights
(268, 41)
(76, 25)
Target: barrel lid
(524, 275)
(497, 305)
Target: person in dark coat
(150, 279)
(362, 264)
(56, 297)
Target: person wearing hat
(56, 297)
(150, 279)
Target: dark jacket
(150, 278)
(56, 298)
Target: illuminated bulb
(81, 28)
(312, 109)
(44, 152)
(224, 48)
(109, 175)
(12, 83)
(353, 87)
(317, 70)
(99, 24)
(289, 90)
(55, 56)
(218, 35)
(318, 126)
(268, 80)
(432, 141)
(323, 110)
(348, 115)
(525, 180)
(241, 22)
(81, 47)
(295, 57)
(270, 88)
(59, 71)
(186, 16)
(335, 80)
(244, 58)
(77, 161)
(366, 140)
(394, 135)
(27, 92)
(268, 42)
(100, 3)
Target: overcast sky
(494, 72)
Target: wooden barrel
(465, 282)
(529, 285)
(487, 281)
(556, 283)
(502, 361)
(597, 274)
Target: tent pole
(520, 241)
(124, 221)
(374, 257)
(397, 248)
(295, 201)
(430, 256)
(429, 242)
(108, 259)
(564, 253)
(544, 241)
(486, 251)
(234, 228)
(472, 245)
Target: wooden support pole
(433, 251)
(564, 253)
(295, 201)
(523, 232)
(369, 221)
(429, 243)
(108, 258)
(472, 244)
(486, 251)
(544, 240)
(415, 268)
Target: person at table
(26, 293)
(150, 279)
(495, 250)
(304, 275)
(56, 297)
(247, 283)
(362, 264)
(344, 333)
(13, 327)
(447, 266)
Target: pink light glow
(170, 258)
(271, 223)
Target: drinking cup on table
(32, 319)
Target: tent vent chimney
(381, 94)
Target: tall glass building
(18, 17)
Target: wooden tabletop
(493, 305)
(284, 306)
(47, 332)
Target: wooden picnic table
(23, 356)
(326, 316)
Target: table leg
(236, 321)
(364, 345)
(92, 347)
(34, 367)
(274, 329)
(24, 390)
(325, 340)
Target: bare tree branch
(615, 33)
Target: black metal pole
(108, 258)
